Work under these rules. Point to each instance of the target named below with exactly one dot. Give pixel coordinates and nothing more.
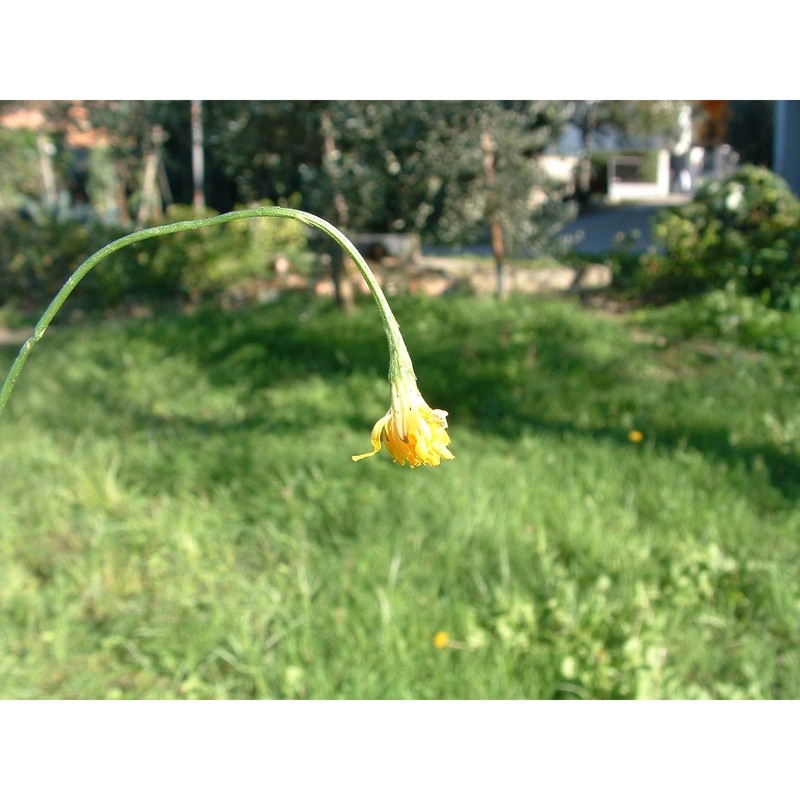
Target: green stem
(399, 359)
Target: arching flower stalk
(413, 432)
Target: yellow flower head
(441, 640)
(635, 436)
(412, 431)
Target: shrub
(723, 316)
(210, 259)
(38, 253)
(742, 232)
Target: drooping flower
(413, 432)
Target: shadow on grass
(500, 368)
(782, 468)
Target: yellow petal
(376, 437)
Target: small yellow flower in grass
(413, 432)
(442, 641)
(635, 436)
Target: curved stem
(399, 359)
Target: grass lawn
(180, 517)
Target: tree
(380, 171)
(118, 164)
(484, 157)
(257, 150)
(634, 123)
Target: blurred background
(604, 295)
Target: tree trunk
(150, 204)
(497, 252)
(46, 150)
(341, 268)
(495, 228)
(198, 164)
(121, 195)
